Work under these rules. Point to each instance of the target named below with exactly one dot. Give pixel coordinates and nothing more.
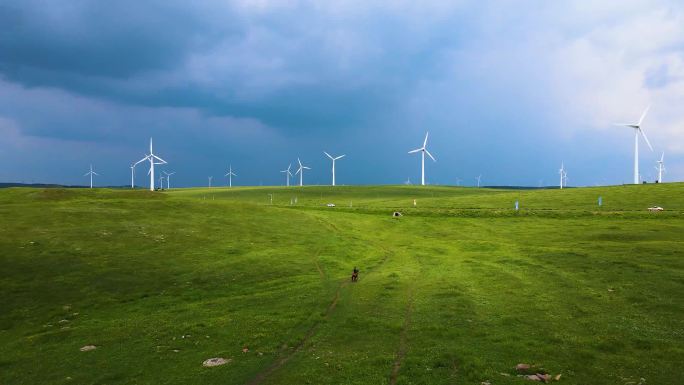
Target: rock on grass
(88, 348)
(215, 362)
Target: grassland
(457, 291)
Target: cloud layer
(508, 90)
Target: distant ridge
(525, 187)
(50, 185)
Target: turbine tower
(230, 175)
(168, 179)
(288, 174)
(133, 176)
(333, 164)
(562, 175)
(210, 178)
(423, 150)
(300, 171)
(661, 168)
(91, 173)
(153, 160)
(479, 177)
(637, 130)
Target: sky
(507, 89)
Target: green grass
(457, 291)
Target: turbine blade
(94, 173)
(426, 138)
(430, 155)
(328, 155)
(643, 115)
(159, 159)
(300, 162)
(416, 150)
(341, 156)
(646, 139)
(147, 157)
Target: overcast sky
(507, 89)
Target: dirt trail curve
(286, 355)
(401, 353)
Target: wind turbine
(230, 175)
(161, 182)
(168, 179)
(661, 168)
(637, 131)
(423, 150)
(210, 178)
(91, 173)
(562, 175)
(153, 160)
(479, 177)
(288, 174)
(333, 164)
(408, 181)
(300, 171)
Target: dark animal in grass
(355, 275)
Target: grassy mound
(457, 291)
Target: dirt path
(318, 267)
(277, 364)
(401, 353)
(286, 355)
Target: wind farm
(543, 247)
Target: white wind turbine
(479, 177)
(91, 173)
(161, 182)
(168, 179)
(288, 174)
(562, 175)
(423, 150)
(210, 178)
(637, 130)
(153, 160)
(300, 171)
(230, 175)
(661, 168)
(333, 164)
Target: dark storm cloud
(322, 71)
(116, 39)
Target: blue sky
(507, 89)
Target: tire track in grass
(280, 362)
(401, 352)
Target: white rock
(216, 362)
(88, 348)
